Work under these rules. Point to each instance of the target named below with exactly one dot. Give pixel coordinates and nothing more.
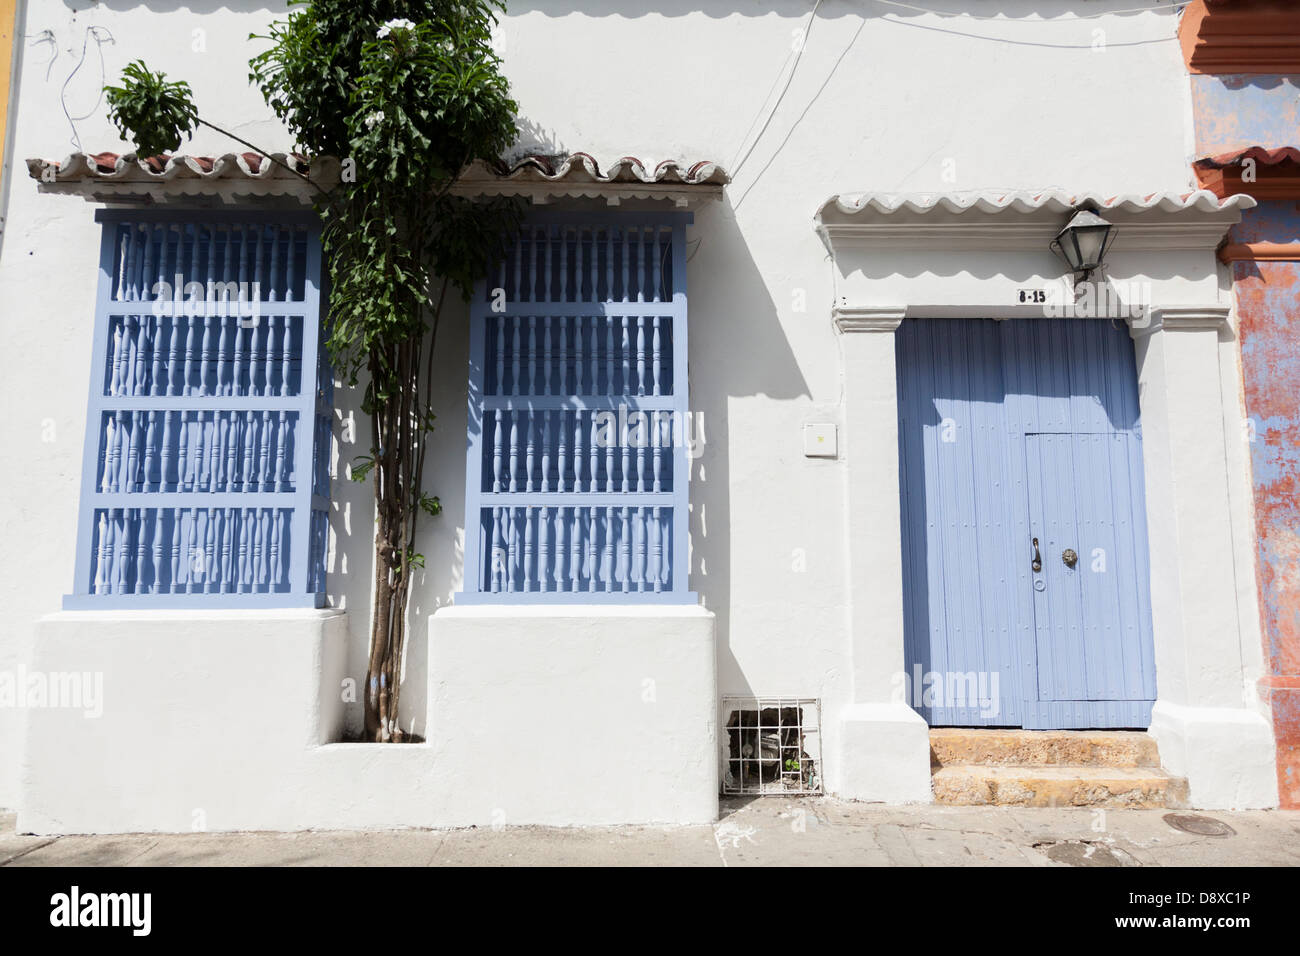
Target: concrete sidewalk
(771, 830)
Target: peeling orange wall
(1233, 111)
(1268, 311)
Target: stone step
(1043, 786)
(981, 746)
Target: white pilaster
(1204, 719)
(884, 751)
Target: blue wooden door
(1090, 600)
(1010, 433)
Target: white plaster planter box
(575, 715)
(205, 720)
(226, 720)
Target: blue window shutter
(578, 466)
(205, 476)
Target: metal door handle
(1070, 557)
(1038, 558)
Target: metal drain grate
(1199, 825)
(771, 745)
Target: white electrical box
(819, 441)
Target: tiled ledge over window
(578, 465)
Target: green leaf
(150, 111)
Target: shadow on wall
(737, 349)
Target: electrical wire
(46, 36)
(739, 161)
(772, 112)
(91, 32)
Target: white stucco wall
(881, 99)
(225, 720)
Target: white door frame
(950, 257)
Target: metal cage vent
(772, 745)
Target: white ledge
(1022, 220)
(849, 318)
(1181, 318)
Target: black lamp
(1084, 241)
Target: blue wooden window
(578, 467)
(206, 463)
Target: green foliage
(361, 466)
(151, 112)
(406, 93)
(410, 106)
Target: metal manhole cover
(1201, 826)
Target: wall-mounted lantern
(1084, 241)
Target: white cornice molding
(995, 234)
(1019, 223)
(1181, 318)
(867, 318)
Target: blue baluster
(496, 451)
(558, 550)
(656, 546)
(150, 452)
(209, 550)
(281, 475)
(575, 552)
(607, 565)
(543, 550)
(577, 450)
(174, 575)
(593, 568)
(227, 556)
(562, 452)
(514, 451)
(497, 556)
(119, 350)
(546, 237)
(564, 264)
(516, 322)
(104, 566)
(624, 552)
(546, 357)
(158, 532)
(609, 263)
(579, 275)
(245, 576)
(512, 539)
(640, 264)
(546, 451)
(528, 460)
(112, 444)
(264, 458)
(141, 550)
(655, 358)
